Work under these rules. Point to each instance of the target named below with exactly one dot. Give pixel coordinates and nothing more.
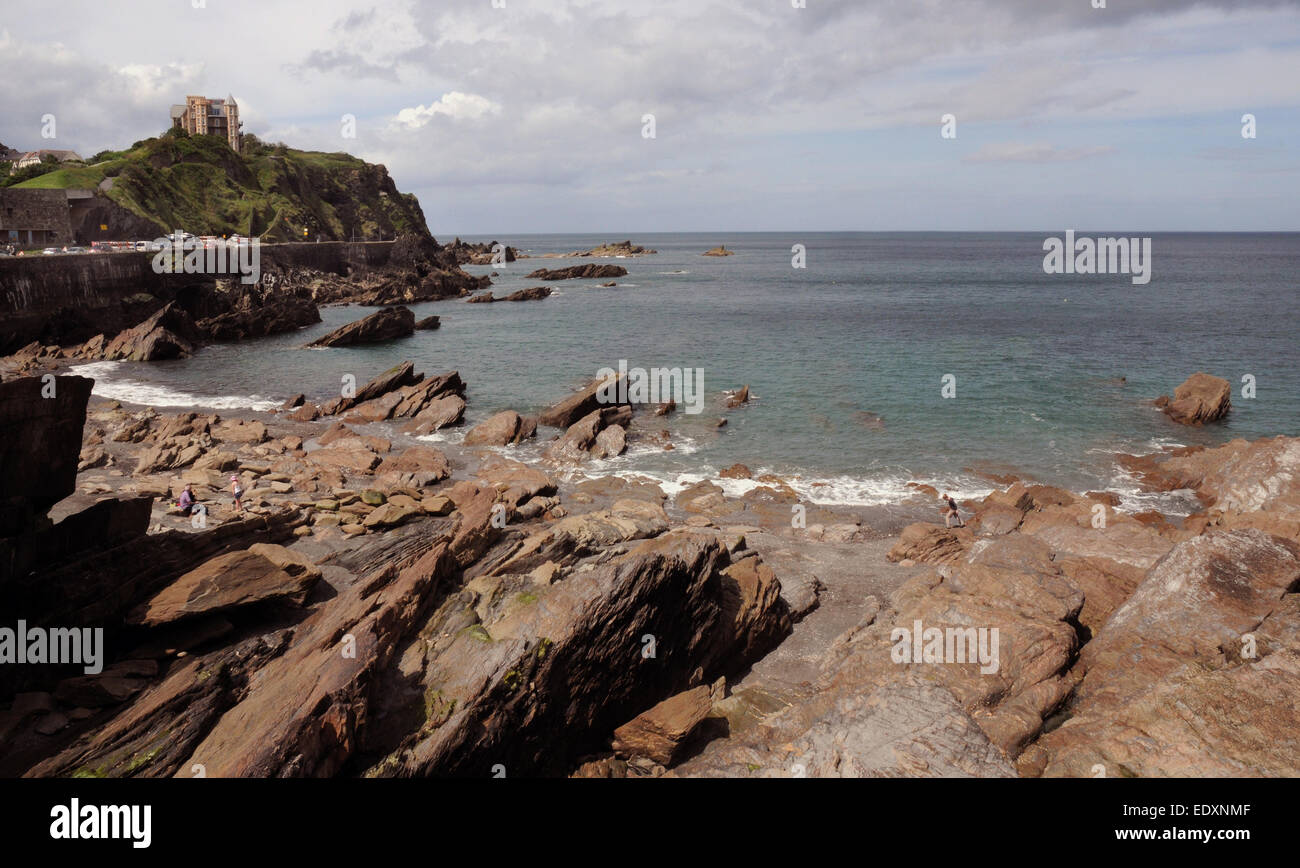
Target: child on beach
(950, 511)
(237, 492)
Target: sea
(948, 359)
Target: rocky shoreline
(388, 608)
(392, 603)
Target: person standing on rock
(950, 511)
(237, 492)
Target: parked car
(51, 251)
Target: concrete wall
(68, 299)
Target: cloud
(454, 105)
(541, 101)
(1021, 152)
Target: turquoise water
(866, 331)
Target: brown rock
(383, 325)
(231, 581)
(659, 732)
(501, 429)
(1199, 399)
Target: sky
(523, 116)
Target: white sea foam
(156, 395)
(882, 490)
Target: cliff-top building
(212, 117)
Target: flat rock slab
(231, 581)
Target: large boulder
(1199, 399)
(1169, 673)
(502, 429)
(659, 733)
(168, 334)
(231, 581)
(582, 402)
(383, 325)
(439, 413)
(931, 544)
(41, 445)
(602, 433)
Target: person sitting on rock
(185, 503)
(950, 511)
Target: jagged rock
(416, 467)
(438, 414)
(1199, 399)
(588, 436)
(931, 544)
(231, 581)
(428, 323)
(383, 325)
(578, 271)
(168, 334)
(740, 398)
(659, 732)
(394, 378)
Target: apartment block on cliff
(201, 116)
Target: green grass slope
(198, 184)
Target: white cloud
(454, 105)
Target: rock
(114, 685)
(438, 414)
(355, 460)
(1199, 399)
(383, 325)
(737, 471)
(437, 505)
(583, 438)
(659, 732)
(390, 515)
(428, 323)
(739, 398)
(308, 412)
(501, 429)
(578, 271)
(1165, 678)
(241, 431)
(40, 448)
(371, 497)
(612, 249)
(802, 594)
(394, 378)
(91, 457)
(930, 544)
(416, 467)
(610, 443)
(481, 298)
(720, 250)
(168, 334)
(581, 403)
(231, 581)
(535, 293)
